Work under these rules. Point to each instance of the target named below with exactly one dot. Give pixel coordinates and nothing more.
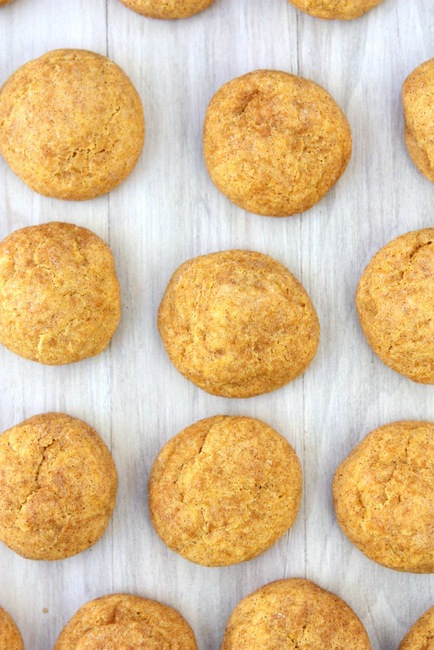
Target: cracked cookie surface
(71, 124)
(275, 143)
(59, 294)
(294, 613)
(58, 485)
(124, 621)
(224, 490)
(395, 303)
(421, 634)
(418, 104)
(10, 637)
(167, 9)
(237, 323)
(384, 496)
(331, 9)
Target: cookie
(59, 294)
(10, 637)
(383, 494)
(237, 323)
(275, 143)
(294, 613)
(71, 124)
(341, 9)
(421, 635)
(224, 490)
(167, 9)
(395, 303)
(4, 2)
(123, 621)
(58, 486)
(418, 103)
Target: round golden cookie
(59, 294)
(237, 323)
(71, 124)
(10, 637)
(395, 303)
(294, 613)
(58, 485)
(330, 9)
(418, 103)
(224, 490)
(275, 143)
(123, 622)
(383, 494)
(167, 9)
(421, 635)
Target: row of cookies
(235, 323)
(222, 491)
(274, 143)
(174, 9)
(294, 609)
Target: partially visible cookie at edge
(126, 621)
(167, 9)
(421, 635)
(383, 494)
(71, 124)
(395, 304)
(10, 637)
(294, 613)
(59, 293)
(237, 323)
(224, 490)
(418, 104)
(58, 484)
(332, 9)
(275, 143)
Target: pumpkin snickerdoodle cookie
(71, 124)
(330, 9)
(59, 294)
(418, 103)
(421, 634)
(237, 323)
(395, 303)
(294, 613)
(224, 490)
(384, 496)
(122, 622)
(58, 485)
(10, 637)
(275, 143)
(167, 9)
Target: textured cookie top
(10, 638)
(421, 635)
(275, 143)
(384, 496)
(224, 490)
(395, 303)
(59, 294)
(58, 487)
(237, 323)
(167, 9)
(294, 613)
(122, 622)
(418, 103)
(341, 9)
(71, 124)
